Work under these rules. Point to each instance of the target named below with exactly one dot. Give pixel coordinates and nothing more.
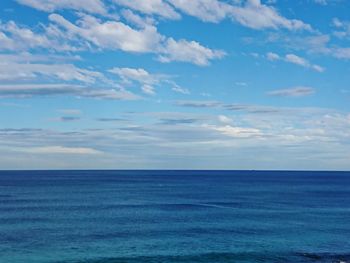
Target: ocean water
(174, 216)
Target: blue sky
(175, 84)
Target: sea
(174, 216)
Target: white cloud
(224, 119)
(206, 10)
(137, 20)
(30, 90)
(117, 35)
(188, 51)
(337, 22)
(150, 7)
(199, 104)
(70, 111)
(136, 74)
(342, 28)
(294, 59)
(297, 60)
(26, 57)
(321, 2)
(259, 16)
(17, 38)
(111, 34)
(293, 92)
(20, 38)
(139, 75)
(59, 150)
(342, 53)
(147, 89)
(251, 13)
(237, 132)
(178, 89)
(242, 84)
(315, 44)
(90, 6)
(302, 62)
(272, 56)
(146, 79)
(66, 72)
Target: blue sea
(174, 216)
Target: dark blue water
(174, 216)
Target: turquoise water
(174, 216)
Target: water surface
(174, 216)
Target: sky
(175, 84)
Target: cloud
(294, 59)
(293, 92)
(13, 38)
(177, 121)
(302, 62)
(27, 57)
(139, 75)
(137, 20)
(337, 22)
(224, 119)
(111, 34)
(242, 84)
(147, 89)
(60, 150)
(64, 72)
(342, 53)
(151, 7)
(90, 6)
(70, 111)
(250, 13)
(198, 104)
(18, 38)
(237, 132)
(146, 79)
(293, 136)
(205, 10)
(188, 51)
(116, 35)
(319, 44)
(310, 43)
(272, 56)
(321, 2)
(255, 15)
(67, 119)
(342, 28)
(178, 89)
(111, 119)
(255, 109)
(30, 90)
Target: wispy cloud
(151, 7)
(293, 92)
(90, 6)
(294, 59)
(115, 35)
(321, 2)
(70, 111)
(256, 15)
(30, 90)
(147, 80)
(59, 150)
(67, 119)
(32, 71)
(198, 104)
